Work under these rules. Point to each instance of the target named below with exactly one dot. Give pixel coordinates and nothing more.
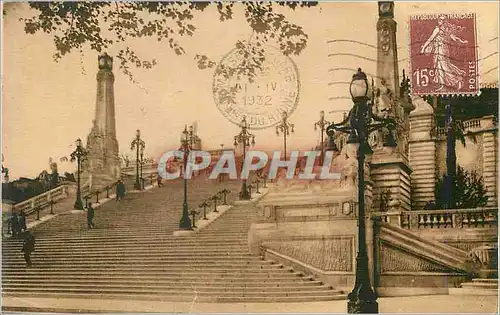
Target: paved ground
(418, 304)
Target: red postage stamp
(443, 54)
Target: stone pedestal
(390, 172)
(422, 154)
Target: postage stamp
(262, 100)
(443, 54)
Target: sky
(46, 105)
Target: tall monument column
(390, 169)
(103, 162)
(387, 51)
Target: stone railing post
(422, 153)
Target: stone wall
(318, 239)
(428, 153)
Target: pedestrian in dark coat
(158, 179)
(22, 222)
(90, 216)
(14, 224)
(28, 247)
(120, 190)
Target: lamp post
(139, 145)
(142, 163)
(79, 155)
(244, 138)
(285, 127)
(359, 124)
(185, 223)
(321, 124)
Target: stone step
(473, 291)
(151, 246)
(495, 281)
(257, 282)
(480, 285)
(192, 268)
(181, 252)
(209, 239)
(159, 291)
(164, 275)
(159, 287)
(182, 298)
(114, 261)
(207, 265)
(102, 254)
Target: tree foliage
(101, 25)
(468, 107)
(468, 191)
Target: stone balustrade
(471, 125)
(441, 219)
(43, 200)
(132, 168)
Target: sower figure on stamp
(28, 247)
(120, 190)
(90, 216)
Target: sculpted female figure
(438, 44)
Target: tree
(468, 107)
(100, 25)
(468, 190)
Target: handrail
(42, 200)
(221, 195)
(444, 218)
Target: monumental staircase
(132, 254)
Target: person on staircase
(120, 190)
(28, 247)
(14, 225)
(90, 216)
(158, 180)
(22, 221)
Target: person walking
(90, 216)
(120, 190)
(28, 247)
(14, 225)
(158, 180)
(22, 222)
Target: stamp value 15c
(443, 54)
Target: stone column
(422, 154)
(490, 149)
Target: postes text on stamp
(262, 98)
(443, 54)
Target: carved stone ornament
(385, 39)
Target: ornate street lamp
(359, 124)
(321, 124)
(139, 145)
(186, 140)
(285, 127)
(79, 155)
(244, 138)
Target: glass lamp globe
(322, 114)
(138, 133)
(359, 85)
(78, 142)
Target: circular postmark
(273, 90)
